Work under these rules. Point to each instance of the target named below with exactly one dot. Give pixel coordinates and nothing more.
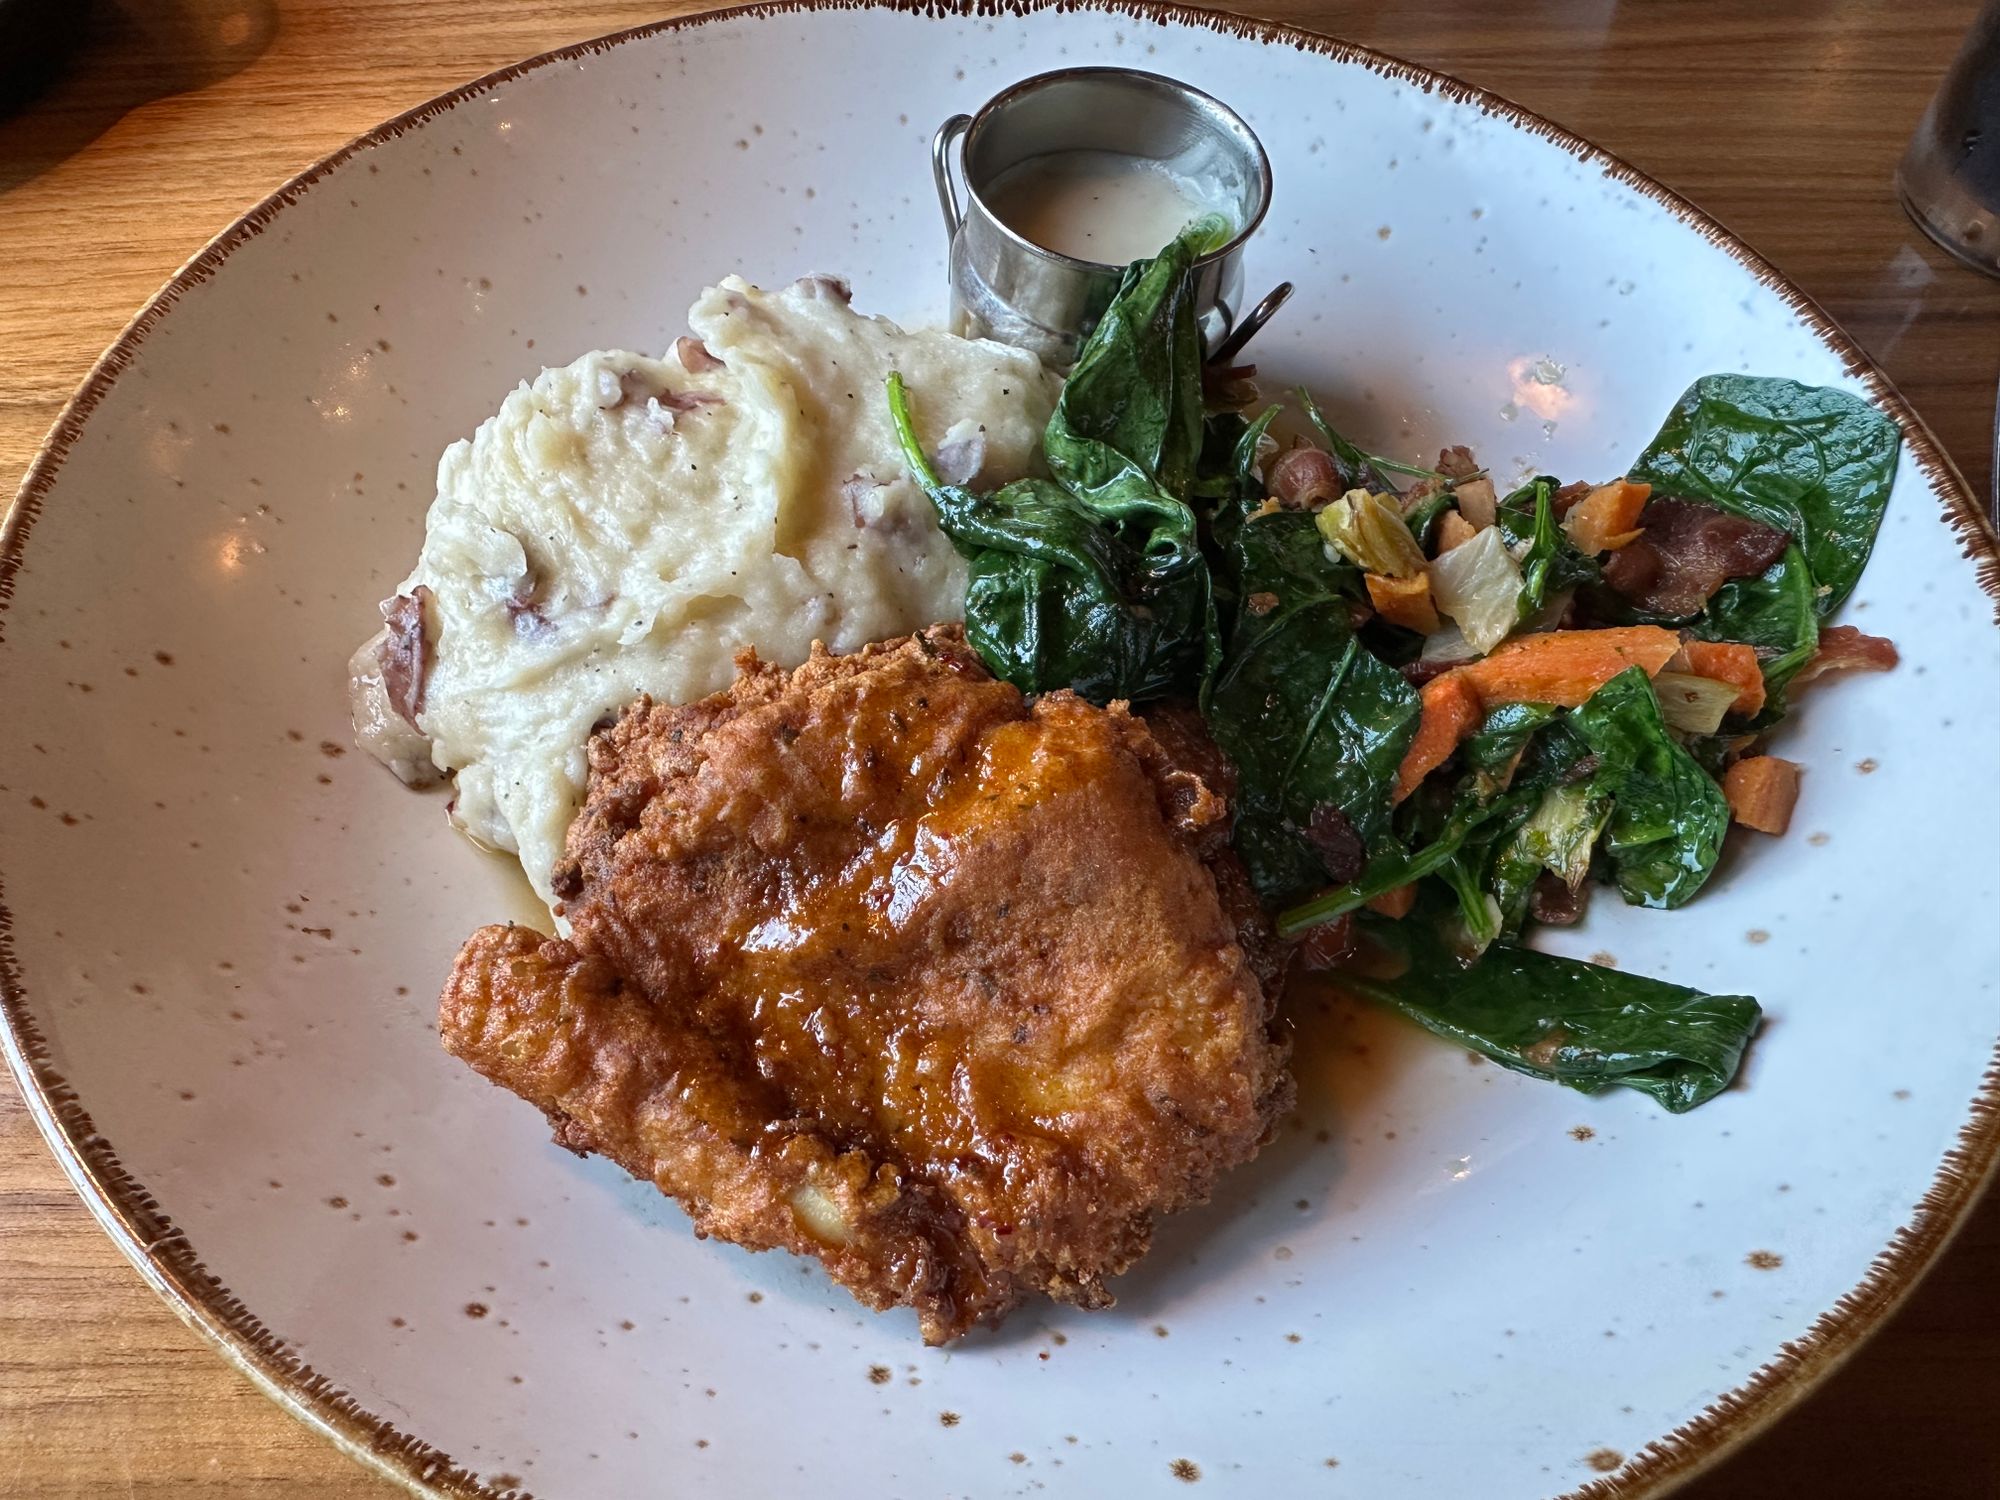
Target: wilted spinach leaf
(1096, 580)
(1126, 434)
(1228, 467)
(1438, 829)
(1504, 732)
(1668, 816)
(1580, 1024)
(1817, 462)
(1056, 598)
(1310, 716)
(1777, 613)
(1551, 564)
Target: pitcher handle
(947, 191)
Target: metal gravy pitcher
(1005, 286)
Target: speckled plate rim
(169, 1263)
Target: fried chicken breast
(875, 962)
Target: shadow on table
(77, 68)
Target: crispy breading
(875, 962)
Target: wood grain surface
(1784, 118)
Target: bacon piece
(1686, 551)
(1569, 495)
(1457, 462)
(406, 652)
(1842, 648)
(1422, 672)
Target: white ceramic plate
(225, 934)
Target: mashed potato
(625, 524)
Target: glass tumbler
(1949, 179)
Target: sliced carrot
(1762, 792)
(1565, 667)
(1395, 904)
(1608, 517)
(1404, 601)
(1452, 710)
(1731, 662)
(1452, 530)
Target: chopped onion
(1560, 833)
(1448, 644)
(1369, 531)
(1479, 586)
(1693, 705)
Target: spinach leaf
(1228, 468)
(1815, 461)
(1550, 564)
(1542, 536)
(1310, 717)
(1243, 461)
(1126, 434)
(1777, 612)
(1580, 1024)
(1422, 515)
(1434, 829)
(1215, 471)
(1395, 863)
(1055, 598)
(1096, 579)
(1504, 733)
(1668, 816)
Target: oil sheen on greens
(1094, 579)
(1814, 462)
(1149, 566)
(1580, 1024)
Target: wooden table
(1782, 117)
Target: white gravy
(1095, 205)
